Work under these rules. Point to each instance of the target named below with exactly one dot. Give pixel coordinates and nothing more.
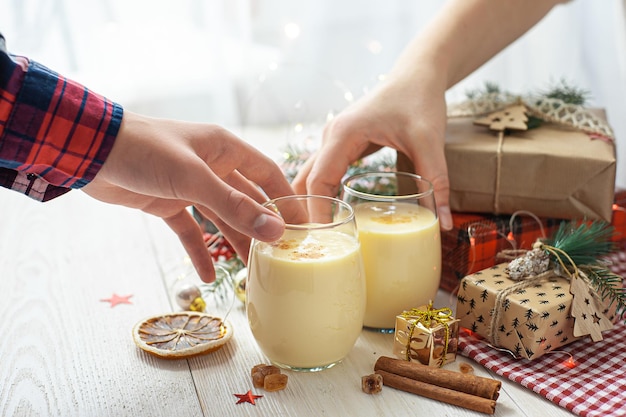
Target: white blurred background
(293, 63)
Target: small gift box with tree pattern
(547, 297)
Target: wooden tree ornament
(513, 117)
(589, 311)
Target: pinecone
(534, 262)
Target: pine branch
(585, 243)
(607, 284)
(567, 93)
(490, 89)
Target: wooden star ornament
(248, 397)
(117, 299)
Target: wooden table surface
(64, 352)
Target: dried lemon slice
(182, 334)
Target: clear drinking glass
(400, 241)
(305, 294)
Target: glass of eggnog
(400, 241)
(305, 293)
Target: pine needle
(489, 89)
(567, 93)
(586, 242)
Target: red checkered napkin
(593, 386)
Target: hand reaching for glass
(164, 166)
(412, 122)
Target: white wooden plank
(63, 351)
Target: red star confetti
(117, 299)
(248, 397)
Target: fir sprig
(489, 89)
(586, 242)
(567, 93)
(561, 90)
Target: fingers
(430, 163)
(239, 241)
(190, 235)
(341, 147)
(230, 154)
(232, 179)
(299, 182)
(234, 206)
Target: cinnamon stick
(466, 383)
(461, 399)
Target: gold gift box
(426, 343)
(530, 321)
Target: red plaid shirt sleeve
(55, 134)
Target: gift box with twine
(541, 300)
(563, 168)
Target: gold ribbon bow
(426, 318)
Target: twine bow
(426, 318)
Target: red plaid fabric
(55, 134)
(590, 383)
(476, 239)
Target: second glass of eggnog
(305, 294)
(400, 241)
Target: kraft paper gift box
(432, 343)
(551, 171)
(529, 322)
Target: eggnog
(306, 297)
(401, 248)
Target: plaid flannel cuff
(58, 130)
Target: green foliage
(489, 89)
(585, 242)
(567, 93)
(561, 90)
(534, 122)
